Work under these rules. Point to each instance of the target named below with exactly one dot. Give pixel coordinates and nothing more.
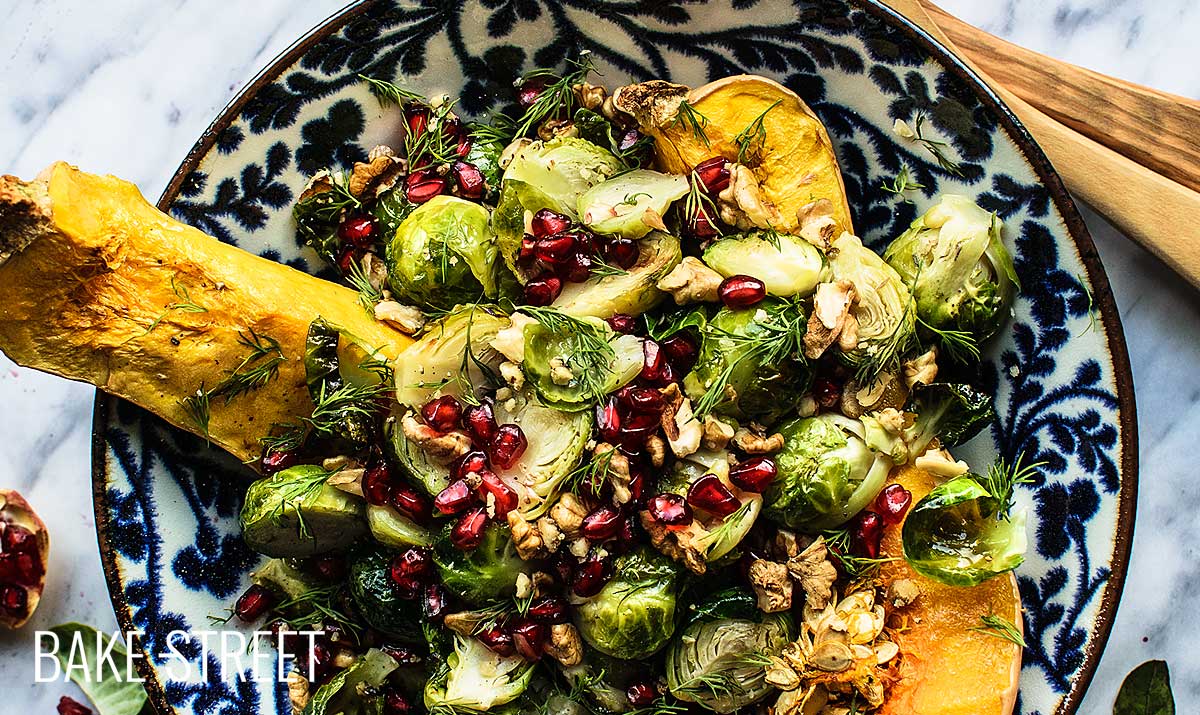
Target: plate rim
(1030, 151)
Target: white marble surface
(125, 86)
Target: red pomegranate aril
(464, 146)
(622, 252)
(654, 361)
(741, 291)
(328, 568)
(278, 460)
(589, 578)
(630, 138)
(641, 695)
(394, 703)
(826, 392)
(529, 638)
(640, 421)
(14, 600)
(507, 445)
(529, 91)
(347, 259)
(454, 498)
(603, 523)
(17, 538)
(622, 323)
(443, 413)
(480, 421)
(412, 563)
(473, 461)
(637, 483)
(497, 640)
(433, 601)
(426, 190)
(893, 503)
(626, 537)
(700, 226)
(547, 223)
(467, 534)
(714, 174)
(411, 503)
(358, 231)
(252, 605)
(681, 352)
(670, 509)
(70, 706)
(578, 268)
(549, 610)
(754, 474)
(503, 498)
(555, 249)
(469, 180)
(416, 116)
(407, 588)
(377, 486)
(542, 291)
(608, 419)
(418, 176)
(868, 531)
(525, 255)
(644, 400)
(710, 494)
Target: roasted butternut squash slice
(775, 133)
(945, 667)
(98, 285)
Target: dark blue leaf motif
(1008, 196)
(242, 200)
(332, 141)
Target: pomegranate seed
(328, 568)
(626, 537)
(507, 446)
(70, 706)
(407, 588)
(17, 538)
(549, 610)
(453, 128)
(473, 462)
(433, 601)
(419, 176)
(633, 440)
(454, 498)
(868, 531)
(578, 268)
(320, 659)
(525, 256)
(638, 422)
(642, 400)
(670, 509)
(426, 190)
(412, 563)
(741, 291)
(754, 474)
(608, 419)
(468, 533)
(14, 599)
(347, 260)
(595, 483)
(602, 523)
(417, 118)
(653, 361)
(826, 392)
(714, 174)
(622, 252)
(623, 323)
(402, 654)
(710, 494)
(555, 249)
(641, 695)
(542, 291)
(637, 483)
(681, 352)
(700, 226)
(394, 703)
(443, 413)
(411, 503)
(529, 638)
(480, 421)
(529, 91)
(497, 640)
(358, 230)
(504, 499)
(277, 461)
(893, 503)
(252, 604)
(469, 179)
(464, 146)
(590, 578)
(547, 223)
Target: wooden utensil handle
(1155, 129)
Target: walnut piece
(682, 429)
(691, 282)
(941, 463)
(902, 592)
(525, 537)
(298, 691)
(590, 96)
(654, 104)
(443, 448)
(555, 128)
(921, 369)
(674, 544)
(617, 472)
(716, 433)
(382, 171)
(404, 318)
(831, 321)
(552, 536)
(772, 585)
(755, 442)
(656, 449)
(742, 203)
(512, 374)
(510, 341)
(816, 575)
(565, 645)
(568, 512)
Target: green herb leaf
(694, 120)
(937, 148)
(114, 692)
(1002, 628)
(558, 96)
(902, 183)
(750, 140)
(1146, 691)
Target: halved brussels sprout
(562, 169)
(323, 372)
(827, 473)
(280, 575)
(391, 209)
(737, 351)
(517, 201)
(294, 513)
(451, 357)
(619, 205)
(556, 441)
(484, 573)
(475, 679)
(951, 412)
(633, 292)
(571, 362)
(377, 600)
(721, 539)
(444, 254)
(957, 267)
(884, 311)
(961, 534)
(415, 463)
(719, 664)
(787, 265)
(633, 616)
(347, 693)
(390, 528)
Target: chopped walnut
(817, 224)
(816, 575)
(404, 318)
(552, 536)
(772, 585)
(376, 271)
(443, 448)
(348, 479)
(755, 442)
(622, 119)
(831, 321)
(524, 586)
(298, 691)
(318, 183)
(617, 472)
(902, 592)
(568, 512)
(656, 449)
(543, 583)
(565, 645)
(921, 369)
(674, 544)
(380, 174)
(941, 463)
(590, 96)
(691, 282)
(786, 544)
(682, 429)
(525, 537)
(463, 623)
(892, 420)
(716, 433)
(742, 203)
(554, 128)
(513, 375)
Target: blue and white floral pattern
(168, 504)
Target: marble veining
(126, 87)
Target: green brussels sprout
(391, 209)
(631, 292)
(323, 373)
(750, 350)
(953, 413)
(347, 692)
(571, 362)
(604, 679)
(451, 356)
(562, 169)
(294, 513)
(721, 539)
(719, 664)
(377, 599)
(962, 532)
(474, 679)
(957, 267)
(827, 473)
(885, 312)
(280, 575)
(556, 442)
(734, 602)
(389, 528)
(787, 265)
(517, 200)
(443, 254)
(485, 155)
(417, 467)
(483, 574)
(633, 616)
(619, 205)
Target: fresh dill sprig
(901, 183)
(856, 567)
(319, 605)
(937, 148)
(284, 437)
(632, 199)
(960, 345)
(185, 304)
(719, 683)
(1091, 305)
(721, 533)
(558, 96)
(258, 368)
(196, 409)
(462, 377)
(690, 118)
(379, 365)
(389, 93)
(499, 129)
(751, 140)
(887, 353)
(602, 269)
(659, 329)
(368, 294)
(590, 355)
(292, 493)
(1002, 628)
(698, 203)
(593, 472)
(330, 409)
(433, 145)
(1002, 480)
(771, 236)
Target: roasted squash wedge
(945, 667)
(777, 135)
(98, 285)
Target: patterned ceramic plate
(166, 506)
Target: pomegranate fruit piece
(442, 413)
(681, 352)
(714, 174)
(467, 534)
(641, 695)
(578, 268)
(497, 640)
(542, 291)
(754, 474)
(826, 392)
(454, 498)
(589, 578)
(503, 498)
(893, 503)
(411, 503)
(469, 180)
(529, 91)
(480, 421)
(700, 226)
(868, 531)
(24, 553)
(407, 588)
(529, 638)
(670, 509)
(412, 563)
(328, 568)
(622, 252)
(608, 419)
(347, 259)
(555, 249)
(628, 139)
(474, 461)
(507, 445)
(622, 323)
(643, 400)
(70, 706)
(395, 703)
(277, 461)
(549, 610)
(357, 230)
(253, 604)
(602, 523)
(416, 116)
(653, 361)
(741, 291)
(525, 255)
(710, 494)
(420, 193)
(546, 222)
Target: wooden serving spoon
(1160, 214)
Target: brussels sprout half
(390, 528)
(517, 199)
(571, 362)
(717, 663)
(556, 442)
(952, 413)
(444, 254)
(632, 292)
(633, 616)
(957, 267)
(827, 473)
(475, 679)
(562, 170)
(885, 312)
(619, 205)
(787, 265)
(451, 357)
(294, 513)
(344, 693)
(484, 573)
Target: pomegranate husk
(14, 509)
